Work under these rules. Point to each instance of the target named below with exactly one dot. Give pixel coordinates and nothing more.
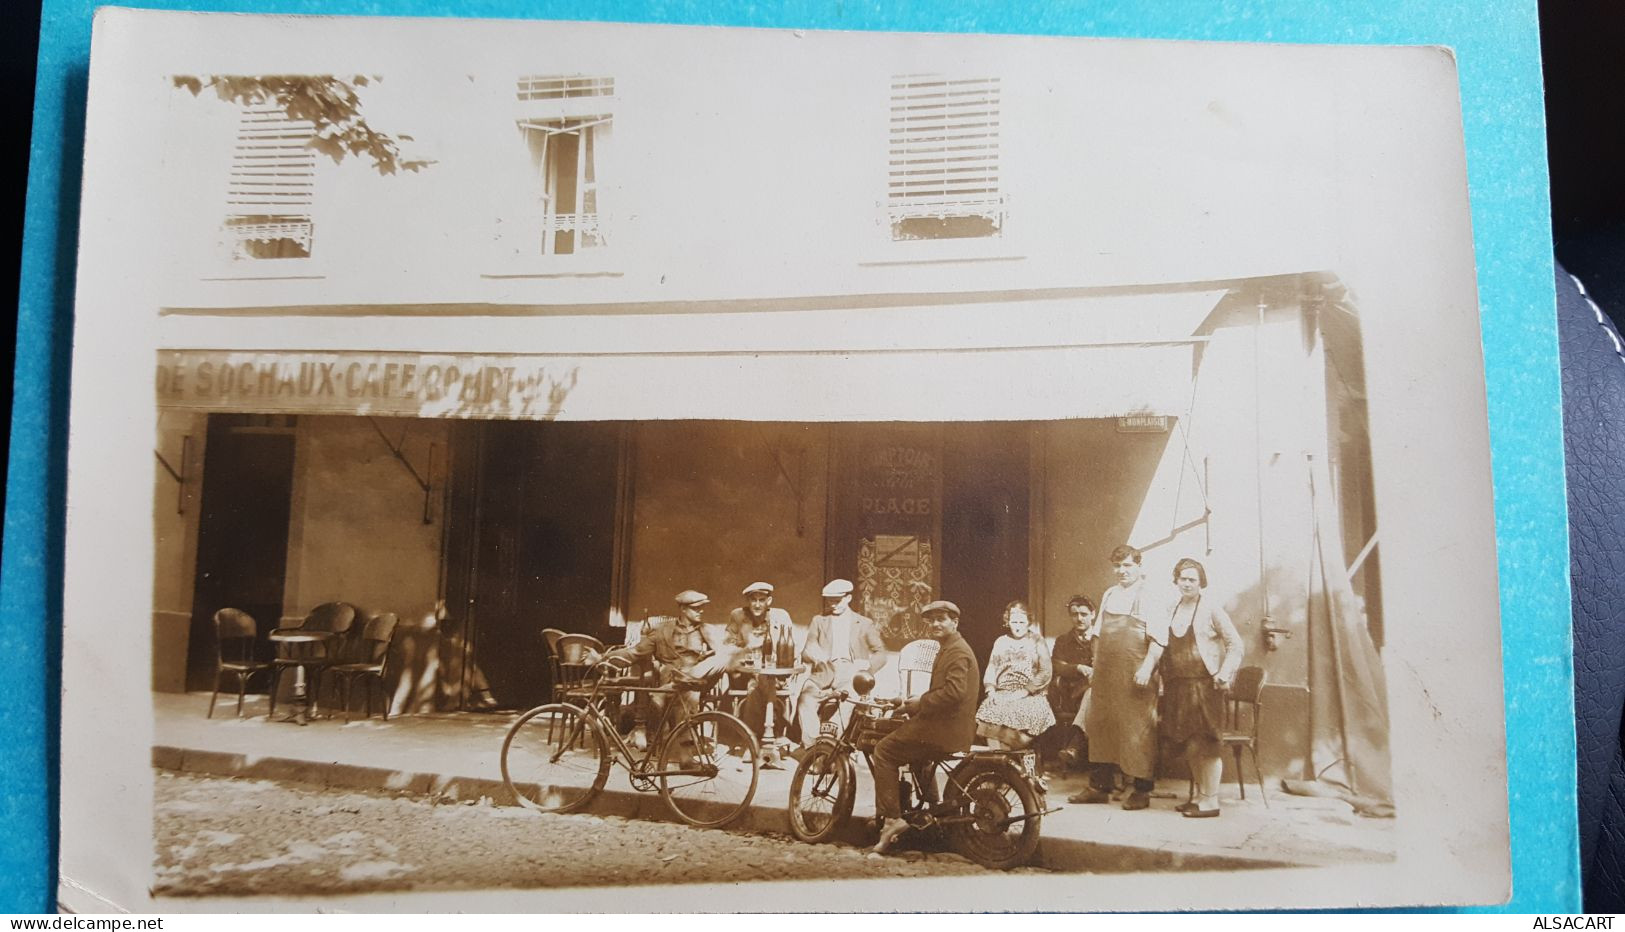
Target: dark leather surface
(1594, 438)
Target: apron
(1122, 717)
(1192, 708)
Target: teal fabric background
(1497, 47)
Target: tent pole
(1331, 626)
(1258, 463)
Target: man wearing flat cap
(841, 643)
(942, 720)
(681, 652)
(754, 630)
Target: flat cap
(838, 588)
(692, 598)
(941, 605)
(757, 587)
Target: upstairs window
(565, 139)
(271, 188)
(943, 168)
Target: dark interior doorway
(985, 480)
(538, 506)
(941, 504)
(242, 531)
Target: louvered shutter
(272, 186)
(943, 168)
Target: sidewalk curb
(759, 818)
(1066, 855)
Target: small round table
(296, 649)
(774, 740)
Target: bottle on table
(785, 652)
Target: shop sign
(1143, 424)
(385, 384)
(897, 552)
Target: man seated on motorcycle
(941, 721)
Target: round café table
(774, 739)
(298, 650)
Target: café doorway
(242, 552)
(531, 525)
(922, 511)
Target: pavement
(455, 756)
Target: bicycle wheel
(554, 759)
(821, 793)
(707, 769)
(991, 796)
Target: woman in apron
(1204, 652)
(1121, 716)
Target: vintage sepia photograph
(596, 463)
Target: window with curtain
(564, 149)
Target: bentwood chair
(371, 663)
(575, 653)
(915, 658)
(550, 637)
(234, 635)
(313, 645)
(1241, 714)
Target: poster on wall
(652, 441)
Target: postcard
(617, 467)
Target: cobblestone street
(239, 837)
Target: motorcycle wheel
(821, 793)
(990, 794)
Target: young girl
(1016, 709)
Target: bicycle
(991, 810)
(556, 757)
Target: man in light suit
(841, 643)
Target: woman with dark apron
(1204, 652)
(1122, 712)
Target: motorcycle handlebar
(869, 703)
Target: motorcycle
(991, 808)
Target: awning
(1079, 358)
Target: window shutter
(272, 186)
(943, 168)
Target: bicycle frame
(690, 759)
(621, 752)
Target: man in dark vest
(1073, 659)
(941, 721)
(753, 627)
(682, 653)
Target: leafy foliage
(330, 103)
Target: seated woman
(1016, 709)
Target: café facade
(570, 368)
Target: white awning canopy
(1020, 360)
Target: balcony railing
(940, 208)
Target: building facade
(947, 328)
